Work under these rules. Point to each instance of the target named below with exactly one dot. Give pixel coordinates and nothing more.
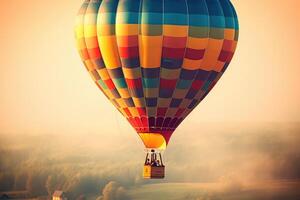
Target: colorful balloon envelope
(156, 60)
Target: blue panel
(184, 84)
(152, 18)
(199, 20)
(214, 8)
(108, 18)
(152, 6)
(129, 5)
(109, 6)
(169, 63)
(128, 18)
(178, 6)
(151, 82)
(175, 19)
(120, 83)
(217, 21)
(198, 7)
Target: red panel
(159, 122)
(132, 122)
(138, 122)
(84, 54)
(173, 52)
(179, 112)
(126, 110)
(167, 135)
(227, 44)
(173, 121)
(197, 84)
(230, 56)
(128, 41)
(129, 52)
(176, 42)
(164, 83)
(110, 84)
(144, 121)
(161, 111)
(177, 123)
(224, 56)
(142, 111)
(94, 53)
(166, 122)
(134, 83)
(194, 54)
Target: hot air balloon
(156, 60)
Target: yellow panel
(211, 54)
(171, 112)
(90, 30)
(175, 30)
(153, 41)
(180, 93)
(132, 73)
(89, 64)
(197, 43)
(103, 74)
(185, 103)
(109, 50)
(229, 34)
(104, 29)
(191, 64)
(89, 18)
(127, 29)
(79, 31)
(153, 140)
(150, 50)
(151, 92)
(109, 94)
(81, 43)
(169, 73)
(92, 75)
(122, 112)
(151, 111)
(121, 103)
(123, 92)
(139, 102)
(164, 102)
(134, 112)
(92, 42)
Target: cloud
(231, 158)
(113, 191)
(262, 152)
(230, 184)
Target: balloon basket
(153, 172)
(153, 167)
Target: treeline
(39, 182)
(41, 176)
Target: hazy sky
(45, 88)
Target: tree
(29, 184)
(50, 184)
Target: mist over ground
(220, 161)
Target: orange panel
(150, 50)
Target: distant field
(172, 191)
(196, 191)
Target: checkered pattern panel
(156, 60)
